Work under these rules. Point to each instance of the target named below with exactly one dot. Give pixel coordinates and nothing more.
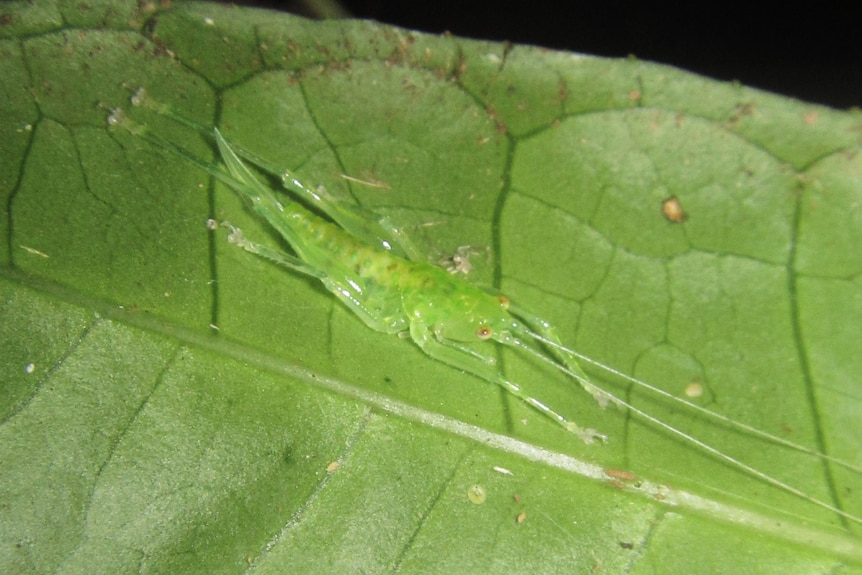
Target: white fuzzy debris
(34, 251)
(138, 97)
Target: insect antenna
(141, 99)
(690, 405)
(611, 398)
(119, 118)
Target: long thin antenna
(679, 433)
(698, 408)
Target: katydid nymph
(374, 269)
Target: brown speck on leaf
(672, 210)
(620, 474)
(743, 109)
(562, 91)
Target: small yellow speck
(477, 494)
(672, 210)
(694, 389)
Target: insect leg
(547, 331)
(381, 312)
(360, 222)
(237, 238)
(363, 223)
(367, 225)
(467, 359)
(351, 218)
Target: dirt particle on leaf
(672, 210)
(477, 494)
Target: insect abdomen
(321, 243)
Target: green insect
(373, 268)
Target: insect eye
(484, 332)
(504, 301)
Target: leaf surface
(170, 403)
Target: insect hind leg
(236, 237)
(365, 224)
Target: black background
(811, 51)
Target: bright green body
(444, 315)
(390, 293)
(356, 257)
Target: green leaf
(170, 403)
